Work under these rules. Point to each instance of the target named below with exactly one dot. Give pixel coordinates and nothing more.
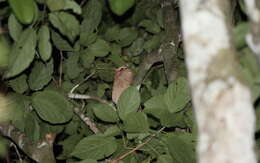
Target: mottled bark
(222, 101)
(145, 65)
(170, 44)
(253, 37)
(41, 151)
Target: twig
(76, 86)
(40, 151)
(84, 118)
(87, 121)
(87, 97)
(145, 65)
(136, 148)
(17, 152)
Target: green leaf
(95, 147)
(127, 36)
(250, 72)
(71, 4)
(88, 161)
(93, 10)
(92, 13)
(136, 122)
(25, 11)
(66, 23)
(86, 58)
(150, 26)
(22, 54)
(240, 32)
(72, 68)
(52, 107)
(105, 112)
(113, 131)
(87, 37)
(257, 113)
(20, 108)
(40, 75)
(55, 5)
(153, 43)
(44, 44)
(166, 118)
(156, 102)
(99, 49)
(101, 89)
(164, 159)
(112, 33)
(72, 127)
(115, 55)
(19, 84)
(160, 17)
(32, 128)
(59, 42)
(177, 95)
(14, 27)
(105, 74)
(181, 148)
(47, 128)
(69, 144)
(136, 48)
(128, 102)
(157, 107)
(119, 7)
(4, 53)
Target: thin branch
(76, 86)
(87, 97)
(170, 45)
(145, 65)
(40, 151)
(87, 121)
(17, 152)
(136, 148)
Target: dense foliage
(60, 75)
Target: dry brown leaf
(123, 78)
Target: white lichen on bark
(222, 102)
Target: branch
(87, 97)
(87, 121)
(221, 99)
(41, 151)
(145, 65)
(171, 42)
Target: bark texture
(253, 37)
(221, 99)
(170, 44)
(41, 151)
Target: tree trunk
(253, 37)
(222, 100)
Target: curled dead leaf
(123, 78)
